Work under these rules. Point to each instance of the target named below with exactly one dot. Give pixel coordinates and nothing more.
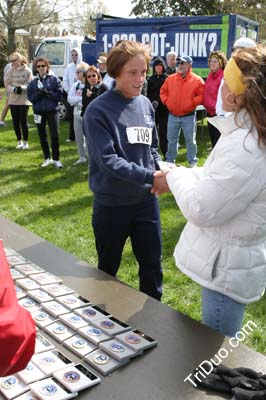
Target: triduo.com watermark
(206, 366)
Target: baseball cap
(244, 42)
(185, 59)
(102, 60)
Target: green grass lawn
(57, 205)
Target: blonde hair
(21, 58)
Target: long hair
(252, 63)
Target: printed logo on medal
(139, 134)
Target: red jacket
(211, 91)
(182, 95)
(17, 329)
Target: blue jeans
(141, 222)
(188, 125)
(221, 313)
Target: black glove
(17, 90)
(43, 92)
(243, 394)
(245, 383)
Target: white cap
(244, 42)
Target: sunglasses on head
(16, 59)
(41, 66)
(92, 76)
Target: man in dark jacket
(153, 93)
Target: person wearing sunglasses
(182, 93)
(16, 82)
(75, 99)
(68, 79)
(93, 87)
(45, 91)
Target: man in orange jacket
(182, 93)
(17, 328)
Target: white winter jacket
(223, 245)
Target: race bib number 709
(139, 134)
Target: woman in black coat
(153, 93)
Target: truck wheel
(63, 109)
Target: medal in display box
(20, 293)
(15, 259)
(76, 378)
(15, 274)
(29, 304)
(111, 326)
(57, 289)
(30, 268)
(50, 361)
(42, 318)
(27, 283)
(59, 331)
(118, 350)
(72, 301)
(52, 388)
(73, 320)
(12, 386)
(103, 362)
(137, 340)
(79, 345)
(92, 313)
(94, 334)
(42, 344)
(55, 308)
(46, 278)
(40, 295)
(31, 373)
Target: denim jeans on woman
(188, 125)
(221, 313)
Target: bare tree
(23, 14)
(83, 16)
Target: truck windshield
(53, 51)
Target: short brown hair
(44, 60)
(121, 53)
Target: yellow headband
(233, 77)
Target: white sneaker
(25, 146)
(20, 145)
(57, 163)
(2, 123)
(192, 165)
(81, 160)
(46, 163)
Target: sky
(118, 8)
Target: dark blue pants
(52, 118)
(141, 222)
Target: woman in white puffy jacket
(75, 99)
(223, 245)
